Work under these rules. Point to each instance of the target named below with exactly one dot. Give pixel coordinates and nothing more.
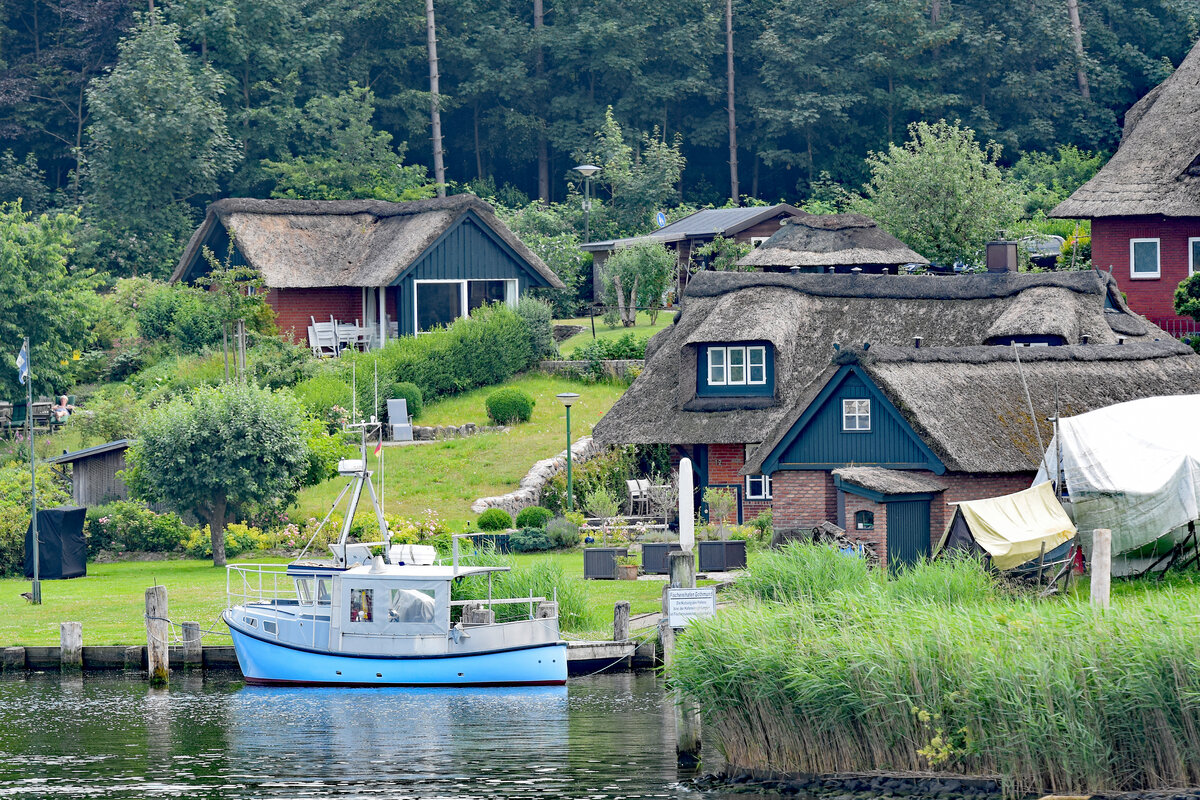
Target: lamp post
(567, 399)
(587, 171)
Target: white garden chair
(399, 420)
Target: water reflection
(113, 737)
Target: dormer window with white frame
(856, 415)
(1145, 256)
(737, 366)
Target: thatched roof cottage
(1145, 203)
(400, 268)
(832, 243)
(785, 388)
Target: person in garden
(62, 409)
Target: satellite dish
(661, 219)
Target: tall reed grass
(540, 579)
(941, 669)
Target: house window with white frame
(440, 302)
(758, 487)
(856, 415)
(737, 366)
(1144, 258)
(1193, 255)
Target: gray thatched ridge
(803, 316)
(889, 481)
(831, 240)
(1156, 170)
(312, 243)
(969, 405)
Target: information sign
(685, 605)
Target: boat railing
(258, 583)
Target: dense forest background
(135, 115)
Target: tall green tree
(41, 297)
(157, 140)
(941, 193)
(222, 453)
(638, 276)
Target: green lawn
(110, 601)
(447, 476)
(643, 329)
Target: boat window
(251, 621)
(411, 605)
(269, 627)
(362, 604)
(323, 592)
(304, 591)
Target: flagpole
(37, 583)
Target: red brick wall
(802, 498)
(295, 308)
(877, 536)
(1152, 297)
(724, 461)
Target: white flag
(23, 363)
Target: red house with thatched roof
(1145, 203)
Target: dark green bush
(624, 347)
(125, 362)
(609, 470)
(537, 316)
(529, 540)
(410, 392)
(277, 363)
(196, 324)
(509, 405)
(495, 519)
(562, 532)
(129, 526)
(533, 517)
(156, 311)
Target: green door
(907, 533)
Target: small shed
(94, 478)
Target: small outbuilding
(93, 472)
(832, 243)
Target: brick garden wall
(1152, 297)
(877, 536)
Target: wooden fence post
(157, 631)
(70, 651)
(621, 622)
(193, 656)
(1101, 566)
(682, 568)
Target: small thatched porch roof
(831, 240)
(888, 481)
(1156, 170)
(315, 243)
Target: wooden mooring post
(157, 633)
(1100, 566)
(621, 622)
(70, 651)
(682, 570)
(193, 656)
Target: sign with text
(685, 605)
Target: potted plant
(627, 568)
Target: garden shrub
(128, 526)
(562, 532)
(196, 324)
(509, 405)
(405, 390)
(495, 519)
(529, 540)
(325, 397)
(325, 449)
(277, 364)
(537, 316)
(533, 517)
(239, 539)
(610, 470)
(156, 311)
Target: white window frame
(511, 290)
(1193, 263)
(1144, 276)
(764, 490)
(726, 365)
(855, 412)
(723, 366)
(729, 352)
(750, 351)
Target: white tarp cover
(1132, 467)
(1013, 527)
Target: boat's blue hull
(267, 662)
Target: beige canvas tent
(1011, 530)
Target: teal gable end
(817, 440)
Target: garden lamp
(587, 171)
(567, 399)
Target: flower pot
(655, 554)
(627, 572)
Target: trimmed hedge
(495, 519)
(410, 392)
(509, 405)
(126, 525)
(529, 540)
(534, 517)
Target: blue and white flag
(23, 363)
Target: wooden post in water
(621, 622)
(193, 656)
(70, 651)
(157, 631)
(1101, 566)
(682, 568)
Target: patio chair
(16, 420)
(324, 338)
(399, 420)
(639, 496)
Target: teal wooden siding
(817, 440)
(217, 241)
(703, 389)
(468, 250)
(907, 533)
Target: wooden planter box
(721, 556)
(600, 563)
(498, 541)
(655, 555)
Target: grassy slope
(643, 329)
(110, 601)
(448, 476)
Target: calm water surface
(109, 736)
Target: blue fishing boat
(387, 619)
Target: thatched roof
(803, 316)
(311, 243)
(831, 240)
(888, 481)
(969, 405)
(1156, 170)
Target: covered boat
(1024, 529)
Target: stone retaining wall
(426, 433)
(530, 487)
(613, 369)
